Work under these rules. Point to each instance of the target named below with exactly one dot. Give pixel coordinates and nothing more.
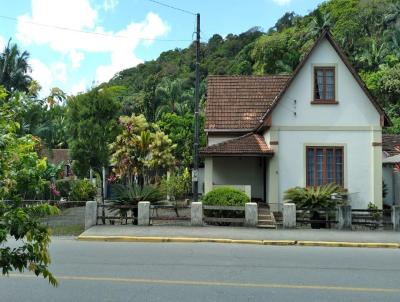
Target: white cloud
(2, 44)
(76, 57)
(79, 87)
(41, 73)
(109, 4)
(122, 50)
(81, 16)
(45, 74)
(282, 2)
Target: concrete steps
(266, 219)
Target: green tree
(92, 124)
(140, 149)
(172, 98)
(20, 172)
(14, 69)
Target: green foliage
(177, 186)
(133, 194)
(92, 120)
(14, 69)
(313, 198)
(141, 148)
(225, 196)
(82, 190)
(374, 211)
(20, 173)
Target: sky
(75, 44)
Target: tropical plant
(313, 198)
(82, 190)
(14, 69)
(140, 148)
(172, 98)
(177, 185)
(125, 196)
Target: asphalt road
(104, 271)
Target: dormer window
(324, 85)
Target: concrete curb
(240, 241)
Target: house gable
(353, 107)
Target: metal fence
(318, 218)
(113, 213)
(372, 218)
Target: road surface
(105, 271)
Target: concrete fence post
(289, 215)
(144, 213)
(396, 218)
(251, 214)
(90, 214)
(343, 217)
(196, 214)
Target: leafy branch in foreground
(24, 241)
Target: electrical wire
(92, 32)
(173, 7)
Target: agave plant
(124, 196)
(313, 198)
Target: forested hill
(368, 31)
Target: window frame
(314, 86)
(324, 164)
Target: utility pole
(195, 172)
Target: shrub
(313, 198)
(225, 196)
(177, 186)
(82, 190)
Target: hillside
(368, 30)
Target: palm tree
(373, 56)
(172, 99)
(319, 23)
(14, 69)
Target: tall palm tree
(14, 69)
(172, 99)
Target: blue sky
(73, 60)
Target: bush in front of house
(225, 196)
(82, 190)
(313, 198)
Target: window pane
(310, 167)
(320, 161)
(329, 166)
(319, 82)
(339, 166)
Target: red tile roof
(249, 144)
(239, 102)
(389, 143)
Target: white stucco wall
(239, 171)
(353, 123)
(354, 108)
(216, 139)
(387, 173)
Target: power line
(92, 32)
(173, 7)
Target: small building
(57, 156)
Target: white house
(267, 134)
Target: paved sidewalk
(241, 233)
